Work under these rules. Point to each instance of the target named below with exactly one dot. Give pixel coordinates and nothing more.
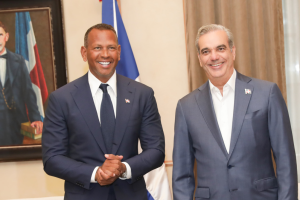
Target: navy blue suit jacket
(73, 144)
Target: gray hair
(213, 27)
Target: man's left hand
(38, 125)
(113, 165)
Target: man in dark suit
(95, 122)
(15, 96)
(229, 126)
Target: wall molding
(169, 163)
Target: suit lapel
(85, 103)
(124, 91)
(204, 102)
(241, 103)
(11, 68)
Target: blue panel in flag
(127, 65)
(22, 29)
(108, 12)
(149, 196)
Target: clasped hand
(111, 169)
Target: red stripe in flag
(37, 75)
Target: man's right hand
(111, 169)
(104, 179)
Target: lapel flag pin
(247, 91)
(127, 100)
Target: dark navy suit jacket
(19, 88)
(73, 145)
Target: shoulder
(256, 83)
(70, 87)
(14, 56)
(132, 84)
(261, 83)
(190, 97)
(262, 90)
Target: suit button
(229, 166)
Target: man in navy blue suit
(93, 124)
(16, 95)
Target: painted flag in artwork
(26, 46)
(156, 181)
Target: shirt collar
(95, 83)
(230, 82)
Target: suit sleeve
(152, 142)
(29, 94)
(183, 181)
(282, 145)
(55, 148)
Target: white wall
(79, 15)
(156, 32)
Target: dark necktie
(3, 56)
(107, 117)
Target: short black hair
(101, 26)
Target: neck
(3, 50)
(219, 83)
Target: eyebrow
(222, 45)
(204, 49)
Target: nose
(214, 55)
(104, 53)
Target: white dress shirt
(3, 69)
(224, 106)
(97, 95)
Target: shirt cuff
(94, 175)
(128, 171)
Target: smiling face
(102, 53)
(3, 39)
(215, 57)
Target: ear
(83, 53)
(233, 52)
(199, 60)
(6, 37)
(119, 52)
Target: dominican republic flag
(26, 47)
(156, 180)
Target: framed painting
(31, 67)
